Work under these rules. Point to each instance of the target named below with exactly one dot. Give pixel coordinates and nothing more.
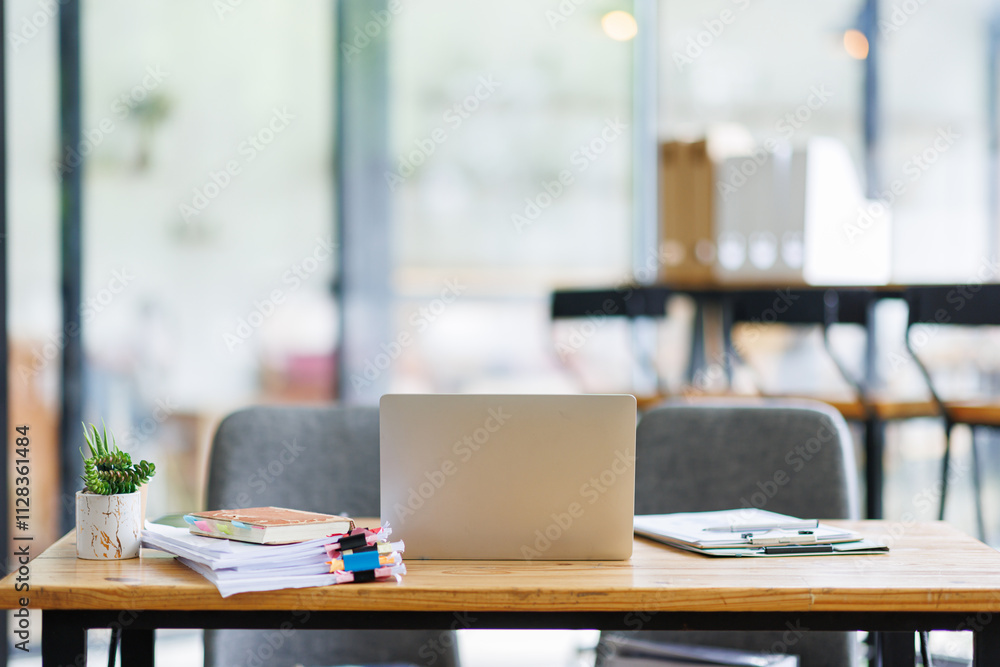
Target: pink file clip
(370, 538)
(379, 574)
(334, 551)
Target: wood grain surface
(931, 567)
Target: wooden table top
(931, 567)
(885, 408)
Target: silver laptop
(527, 477)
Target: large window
(511, 130)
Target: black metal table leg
(137, 647)
(64, 640)
(896, 649)
(874, 439)
(986, 644)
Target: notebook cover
(270, 516)
(267, 525)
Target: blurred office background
(211, 221)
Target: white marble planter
(108, 527)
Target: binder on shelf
(687, 249)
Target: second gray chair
(790, 457)
(323, 459)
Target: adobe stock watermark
(459, 112)
(898, 16)
(584, 156)
(977, 623)
(922, 503)
(294, 277)
(419, 321)
(120, 109)
(102, 641)
(797, 458)
(786, 127)
(362, 36)
(793, 633)
(249, 149)
(269, 643)
(914, 168)
(582, 332)
(715, 371)
(286, 455)
(713, 28)
(463, 449)
(923, 333)
(562, 12)
(91, 307)
(434, 649)
(590, 491)
(29, 27)
(139, 433)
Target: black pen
(799, 549)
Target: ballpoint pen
(737, 528)
(778, 550)
(786, 538)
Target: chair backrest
(793, 457)
(322, 459)
(789, 456)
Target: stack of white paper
(239, 567)
(217, 554)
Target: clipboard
(752, 532)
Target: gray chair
(792, 457)
(323, 459)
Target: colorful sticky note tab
(366, 560)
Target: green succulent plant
(109, 470)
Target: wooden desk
(849, 407)
(935, 578)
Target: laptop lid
(526, 477)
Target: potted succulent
(109, 511)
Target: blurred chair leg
(925, 650)
(874, 433)
(696, 360)
(977, 485)
(946, 459)
(113, 646)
